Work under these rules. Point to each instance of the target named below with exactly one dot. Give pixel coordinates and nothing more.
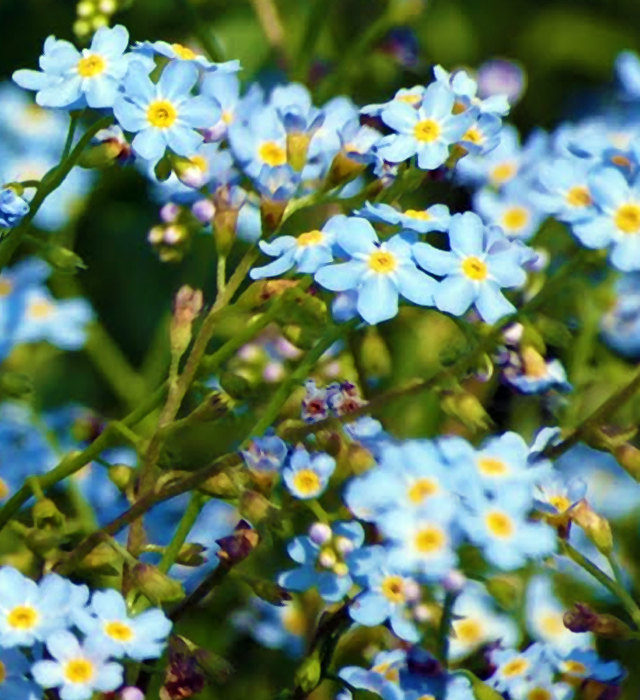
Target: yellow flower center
(421, 490)
(306, 482)
(539, 694)
(200, 162)
(574, 667)
(294, 621)
(40, 309)
(310, 238)
(391, 674)
(535, 365)
(393, 589)
(410, 99)
(553, 625)
(473, 136)
(627, 218)
(184, 52)
(118, 631)
(3, 673)
(492, 467)
(579, 196)
(340, 569)
(90, 66)
(621, 161)
(515, 667)
(22, 617)
(418, 214)
(161, 114)
(560, 503)
(78, 671)
(500, 524)
(4, 489)
(426, 130)
(468, 631)
(426, 697)
(382, 261)
(5, 288)
(515, 218)
(227, 117)
(272, 154)
(474, 268)
(429, 540)
(503, 172)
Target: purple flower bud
(169, 213)
(501, 77)
(131, 693)
(320, 533)
(203, 210)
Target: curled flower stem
(49, 183)
(614, 587)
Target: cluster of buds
(171, 238)
(333, 549)
(336, 399)
(93, 14)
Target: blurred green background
(566, 48)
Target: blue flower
(380, 272)
(435, 218)
(108, 624)
(514, 209)
(483, 136)
(557, 494)
(71, 79)
(537, 375)
(620, 325)
(325, 561)
(265, 454)
(184, 53)
(627, 67)
(514, 668)
(617, 222)
(278, 184)
(464, 87)
(29, 613)
(411, 96)
(568, 196)
(388, 593)
(542, 686)
(12, 208)
(259, 141)
(308, 252)
(307, 476)
(164, 114)
(500, 527)
(76, 670)
(477, 267)
(224, 89)
(382, 678)
(585, 663)
(14, 684)
(427, 131)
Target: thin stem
(320, 513)
(51, 181)
(73, 124)
(119, 549)
(221, 271)
(182, 532)
(615, 567)
(618, 591)
(201, 592)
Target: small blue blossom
(380, 272)
(434, 218)
(477, 267)
(14, 684)
(108, 624)
(164, 115)
(620, 325)
(537, 375)
(515, 668)
(464, 87)
(514, 209)
(585, 663)
(324, 559)
(71, 79)
(308, 252)
(278, 184)
(265, 454)
(483, 136)
(557, 494)
(567, 195)
(184, 53)
(411, 96)
(627, 67)
(307, 475)
(77, 670)
(382, 678)
(542, 686)
(224, 89)
(12, 208)
(258, 141)
(426, 132)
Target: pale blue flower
(567, 194)
(480, 263)
(426, 132)
(627, 67)
(514, 209)
(411, 96)
(620, 325)
(380, 272)
(77, 670)
(464, 87)
(307, 475)
(265, 454)
(164, 114)
(179, 52)
(258, 141)
(108, 624)
(514, 668)
(434, 218)
(585, 663)
(12, 208)
(224, 89)
(71, 79)
(483, 136)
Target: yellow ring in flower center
(272, 154)
(499, 524)
(515, 667)
(161, 114)
(429, 539)
(426, 130)
(515, 218)
(422, 489)
(23, 617)
(417, 214)
(393, 589)
(118, 631)
(382, 261)
(474, 268)
(306, 482)
(183, 52)
(78, 671)
(310, 238)
(627, 218)
(90, 66)
(579, 196)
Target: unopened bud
(582, 618)
(595, 527)
(121, 475)
(162, 169)
(101, 558)
(256, 508)
(482, 691)
(308, 674)
(131, 693)
(344, 169)
(320, 533)
(63, 260)
(327, 558)
(297, 148)
(157, 586)
(227, 201)
(271, 213)
(628, 458)
(219, 486)
(238, 545)
(467, 409)
(191, 554)
(270, 591)
(46, 514)
(188, 304)
(169, 213)
(190, 171)
(204, 210)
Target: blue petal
(432, 155)
(377, 299)
(149, 144)
(101, 92)
(400, 116)
(341, 277)
(396, 149)
(370, 609)
(200, 112)
(302, 550)
(466, 233)
(505, 270)
(176, 80)
(492, 305)
(608, 188)
(455, 295)
(275, 268)
(356, 236)
(333, 588)
(597, 233)
(110, 42)
(439, 262)
(298, 579)
(415, 285)
(405, 628)
(437, 101)
(183, 140)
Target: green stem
(73, 124)
(618, 591)
(221, 272)
(320, 513)
(119, 549)
(187, 522)
(615, 567)
(51, 181)
(296, 377)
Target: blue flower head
(178, 52)
(308, 252)
(382, 678)
(278, 184)
(324, 560)
(164, 114)
(307, 475)
(108, 624)
(426, 132)
(379, 272)
(258, 141)
(265, 454)
(465, 89)
(620, 325)
(224, 89)
(477, 267)
(77, 670)
(567, 194)
(411, 96)
(537, 375)
(515, 668)
(12, 208)
(514, 209)
(71, 79)
(435, 218)
(585, 663)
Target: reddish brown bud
(237, 546)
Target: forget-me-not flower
(380, 272)
(307, 475)
(434, 218)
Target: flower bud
(270, 591)
(238, 545)
(121, 475)
(63, 260)
(204, 210)
(256, 508)
(297, 149)
(188, 304)
(320, 533)
(46, 514)
(227, 201)
(219, 486)
(327, 558)
(344, 545)
(482, 691)
(595, 527)
(467, 409)
(169, 213)
(157, 586)
(582, 618)
(308, 674)
(628, 458)
(131, 693)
